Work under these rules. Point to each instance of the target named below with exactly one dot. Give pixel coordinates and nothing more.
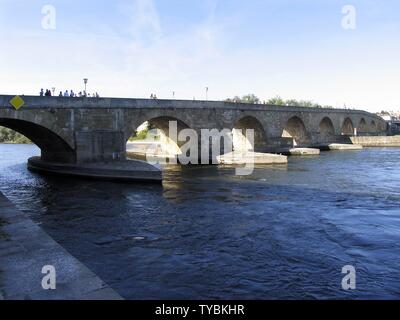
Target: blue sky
(132, 48)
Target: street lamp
(206, 93)
(85, 82)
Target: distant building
(393, 121)
(395, 126)
(387, 118)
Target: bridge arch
(53, 147)
(326, 129)
(372, 127)
(362, 126)
(160, 126)
(382, 127)
(240, 138)
(296, 130)
(347, 127)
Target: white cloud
(145, 26)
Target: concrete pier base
(129, 170)
(238, 158)
(25, 249)
(344, 147)
(303, 152)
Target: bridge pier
(130, 171)
(100, 145)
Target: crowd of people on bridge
(70, 94)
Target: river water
(283, 233)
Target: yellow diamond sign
(17, 102)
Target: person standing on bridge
(66, 94)
(41, 92)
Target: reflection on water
(284, 232)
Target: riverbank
(25, 249)
(377, 141)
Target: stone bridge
(81, 130)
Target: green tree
(11, 136)
(293, 103)
(144, 133)
(248, 98)
(277, 101)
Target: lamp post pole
(85, 81)
(206, 93)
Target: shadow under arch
(296, 130)
(347, 127)
(382, 127)
(53, 147)
(242, 141)
(326, 129)
(362, 126)
(372, 126)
